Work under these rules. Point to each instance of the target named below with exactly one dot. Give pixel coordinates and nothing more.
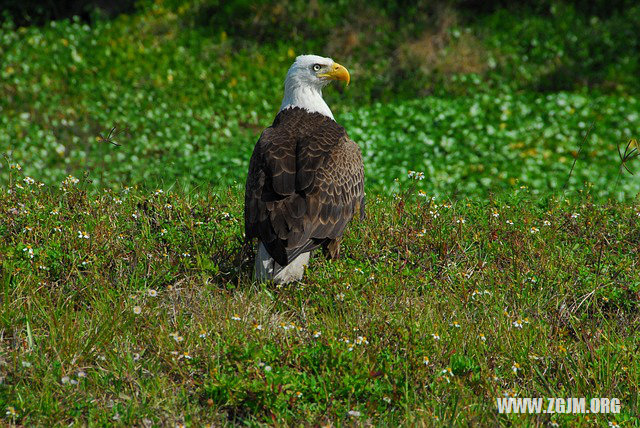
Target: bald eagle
(306, 178)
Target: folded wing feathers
(305, 183)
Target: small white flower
(26, 364)
(70, 180)
(267, 368)
(65, 379)
(509, 222)
(152, 293)
(361, 340)
(425, 360)
(386, 400)
(482, 337)
(435, 336)
(28, 250)
(137, 310)
(158, 192)
(83, 234)
(575, 215)
(134, 215)
(534, 230)
(29, 180)
(163, 232)
(287, 327)
(340, 297)
(186, 255)
(235, 317)
(461, 220)
(82, 374)
(496, 214)
(517, 323)
(546, 223)
(354, 413)
(446, 372)
(510, 393)
(317, 334)
(515, 367)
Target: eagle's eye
(316, 67)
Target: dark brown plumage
(305, 183)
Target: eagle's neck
(306, 97)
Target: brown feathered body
(305, 183)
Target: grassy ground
(138, 308)
(135, 306)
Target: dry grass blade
(628, 155)
(575, 159)
(113, 133)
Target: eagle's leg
(267, 269)
(331, 249)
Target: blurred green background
(481, 96)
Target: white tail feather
(265, 267)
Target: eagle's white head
(305, 80)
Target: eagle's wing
(305, 183)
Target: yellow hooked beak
(337, 72)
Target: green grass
(214, 347)
(193, 108)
